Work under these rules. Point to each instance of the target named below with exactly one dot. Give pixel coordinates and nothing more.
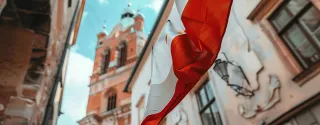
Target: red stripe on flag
(195, 52)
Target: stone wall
(27, 73)
(29, 60)
(15, 53)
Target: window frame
(106, 61)
(112, 101)
(203, 107)
(295, 21)
(69, 3)
(293, 112)
(123, 53)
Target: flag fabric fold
(194, 39)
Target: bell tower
(138, 26)
(116, 55)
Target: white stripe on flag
(180, 5)
(163, 81)
(161, 94)
(161, 56)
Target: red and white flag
(187, 47)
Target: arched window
(122, 49)
(112, 100)
(105, 60)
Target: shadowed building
(35, 39)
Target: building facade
(35, 38)
(116, 55)
(267, 71)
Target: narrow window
(112, 99)
(105, 61)
(122, 48)
(209, 112)
(69, 3)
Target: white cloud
(76, 90)
(79, 69)
(155, 5)
(103, 1)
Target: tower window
(122, 48)
(127, 15)
(100, 42)
(112, 100)
(130, 15)
(106, 61)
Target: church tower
(116, 55)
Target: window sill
(307, 74)
(110, 112)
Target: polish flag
(186, 48)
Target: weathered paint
(270, 52)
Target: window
(127, 15)
(112, 99)
(209, 112)
(309, 116)
(105, 61)
(298, 24)
(100, 42)
(69, 3)
(122, 49)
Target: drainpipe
(58, 77)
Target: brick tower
(116, 54)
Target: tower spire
(129, 3)
(104, 25)
(139, 8)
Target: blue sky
(96, 14)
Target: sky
(96, 14)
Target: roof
(76, 29)
(139, 14)
(129, 10)
(156, 30)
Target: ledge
(110, 112)
(307, 74)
